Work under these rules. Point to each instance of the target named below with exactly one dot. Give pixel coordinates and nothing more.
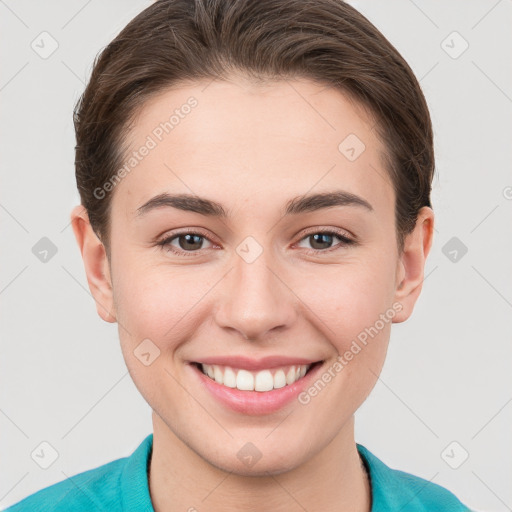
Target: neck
(333, 479)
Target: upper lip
(246, 363)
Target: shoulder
(79, 492)
(393, 489)
(101, 488)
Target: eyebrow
(297, 205)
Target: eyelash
(345, 241)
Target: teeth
(245, 380)
(290, 376)
(229, 377)
(264, 380)
(279, 379)
(217, 375)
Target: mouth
(261, 381)
(255, 389)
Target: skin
(252, 147)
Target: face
(255, 266)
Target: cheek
(157, 303)
(356, 308)
(157, 312)
(353, 296)
(359, 318)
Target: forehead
(240, 142)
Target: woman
(255, 214)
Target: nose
(255, 300)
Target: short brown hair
(327, 41)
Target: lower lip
(256, 402)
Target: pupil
(190, 239)
(320, 238)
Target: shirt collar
(389, 490)
(135, 494)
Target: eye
(183, 243)
(321, 241)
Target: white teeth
(279, 379)
(229, 378)
(245, 380)
(290, 376)
(263, 380)
(217, 374)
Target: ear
(95, 262)
(411, 265)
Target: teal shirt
(122, 485)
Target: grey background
(447, 376)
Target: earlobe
(95, 263)
(411, 266)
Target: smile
(262, 387)
(263, 380)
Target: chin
(272, 466)
(255, 459)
